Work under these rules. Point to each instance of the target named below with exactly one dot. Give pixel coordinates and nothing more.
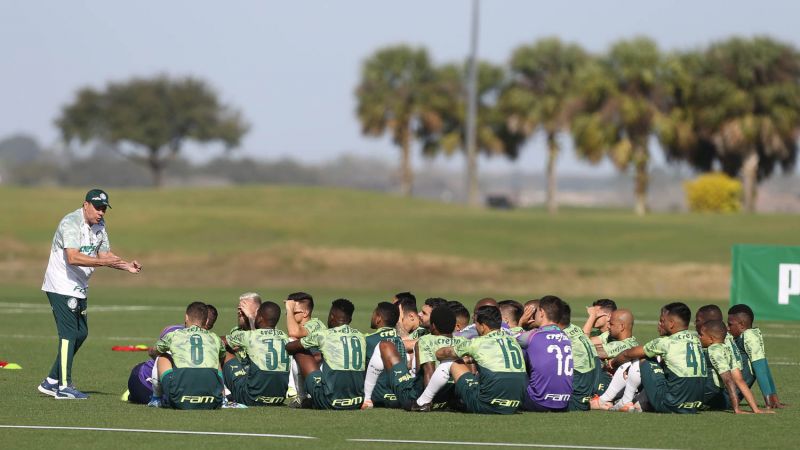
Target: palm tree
(753, 115)
(617, 109)
(543, 77)
(391, 99)
(445, 116)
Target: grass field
(216, 243)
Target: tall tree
(391, 98)
(149, 120)
(617, 103)
(539, 97)
(445, 119)
(737, 105)
(759, 130)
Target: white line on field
(133, 430)
(497, 444)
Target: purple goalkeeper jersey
(145, 372)
(549, 359)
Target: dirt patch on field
(348, 268)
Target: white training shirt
(73, 232)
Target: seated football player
(212, 317)
(246, 311)
(189, 364)
(144, 376)
(620, 338)
(337, 383)
(754, 356)
(596, 325)
(299, 323)
(724, 377)
(461, 312)
(675, 384)
(709, 313)
(499, 362)
(511, 311)
(470, 331)
(587, 366)
(425, 317)
(377, 391)
(261, 379)
(408, 385)
(548, 356)
(409, 316)
(528, 319)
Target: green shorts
(686, 398)
(335, 389)
(603, 380)
(482, 399)
(584, 386)
(253, 387)
(402, 385)
(192, 388)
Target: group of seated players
(505, 357)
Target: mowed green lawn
(227, 222)
(230, 220)
(136, 315)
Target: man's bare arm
(736, 376)
(119, 263)
(601, 352)
(446, 353)
(593, 312)
(293, 327)
(294, 347)
(628, 355)
(76, 258)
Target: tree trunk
(750, 181)
(640, 161)
(406, 176)
(552, 156)
(156, 166)
(473, 197)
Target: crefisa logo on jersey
(72, 303)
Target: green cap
(97, 197)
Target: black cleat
(413, 406)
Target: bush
(714, 192)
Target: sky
(291, 67)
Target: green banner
(767, 279)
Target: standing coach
(79, 245)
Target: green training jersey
(428, 345)
(681, 354)
(501, 368)
(384, 334)
(192, 347)
(418, 333)
(342, 348)
(722, 361)
(584, 356)
(314, 325)
(604, 337)
(737, 356)
(614, 348)
(497, 352)
(752, 342)
(265, 348)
